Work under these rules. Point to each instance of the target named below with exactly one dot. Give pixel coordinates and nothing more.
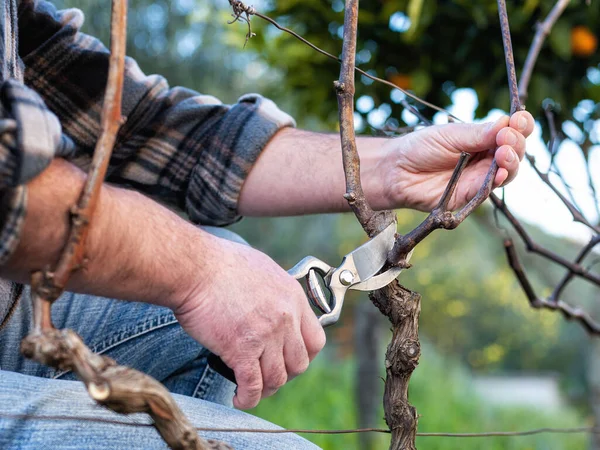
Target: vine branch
(577, 215)
(567, 311)
(372, 222)
(542, 32)
(532, 246)
(515, 103)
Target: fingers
(296, 358)
(511, 146)
(514, 140)
(248, 375)
(262, 377)
(273, 368)
(523, 122)
(471, 137)
(480, 137)
(519, 127)
(280, 361)
(313, 334)
(508, 161)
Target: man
(216, 162)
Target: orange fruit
(583, 42)
(401, 80)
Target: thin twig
(569, 275)
(345, 95)
(515, 103)
(585, 150)
(554, 139)
(441, 217)
(532, 246)
(577, 215)
(567, 311)
(542, 32)
(593, 189)
(553, 147)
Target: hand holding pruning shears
(359, 270)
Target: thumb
(473, 137)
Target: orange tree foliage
(434, 47)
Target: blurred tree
(432, 47)
(186, 41)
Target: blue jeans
(138, 335)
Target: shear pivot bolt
(346, 277)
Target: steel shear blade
(358, 271)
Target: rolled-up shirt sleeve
(183, 147)
(13, 204)
(30, 137)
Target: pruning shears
(360, 270)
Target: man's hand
(300, 172)
(255, 316)
(234, 300)
(417, 167)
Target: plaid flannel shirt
(185, 148)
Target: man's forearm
(301, 172)
(136, 249)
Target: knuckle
(299, 367)
(286, 316)
(321, 339)
(246, 375)
(250, 343)
(251, 390)
(276, 380)
(254, 389)
(316, 344)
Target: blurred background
(489, 361)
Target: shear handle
(308, 263)
(307, 268)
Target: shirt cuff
(12, 217)
(217, 179)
